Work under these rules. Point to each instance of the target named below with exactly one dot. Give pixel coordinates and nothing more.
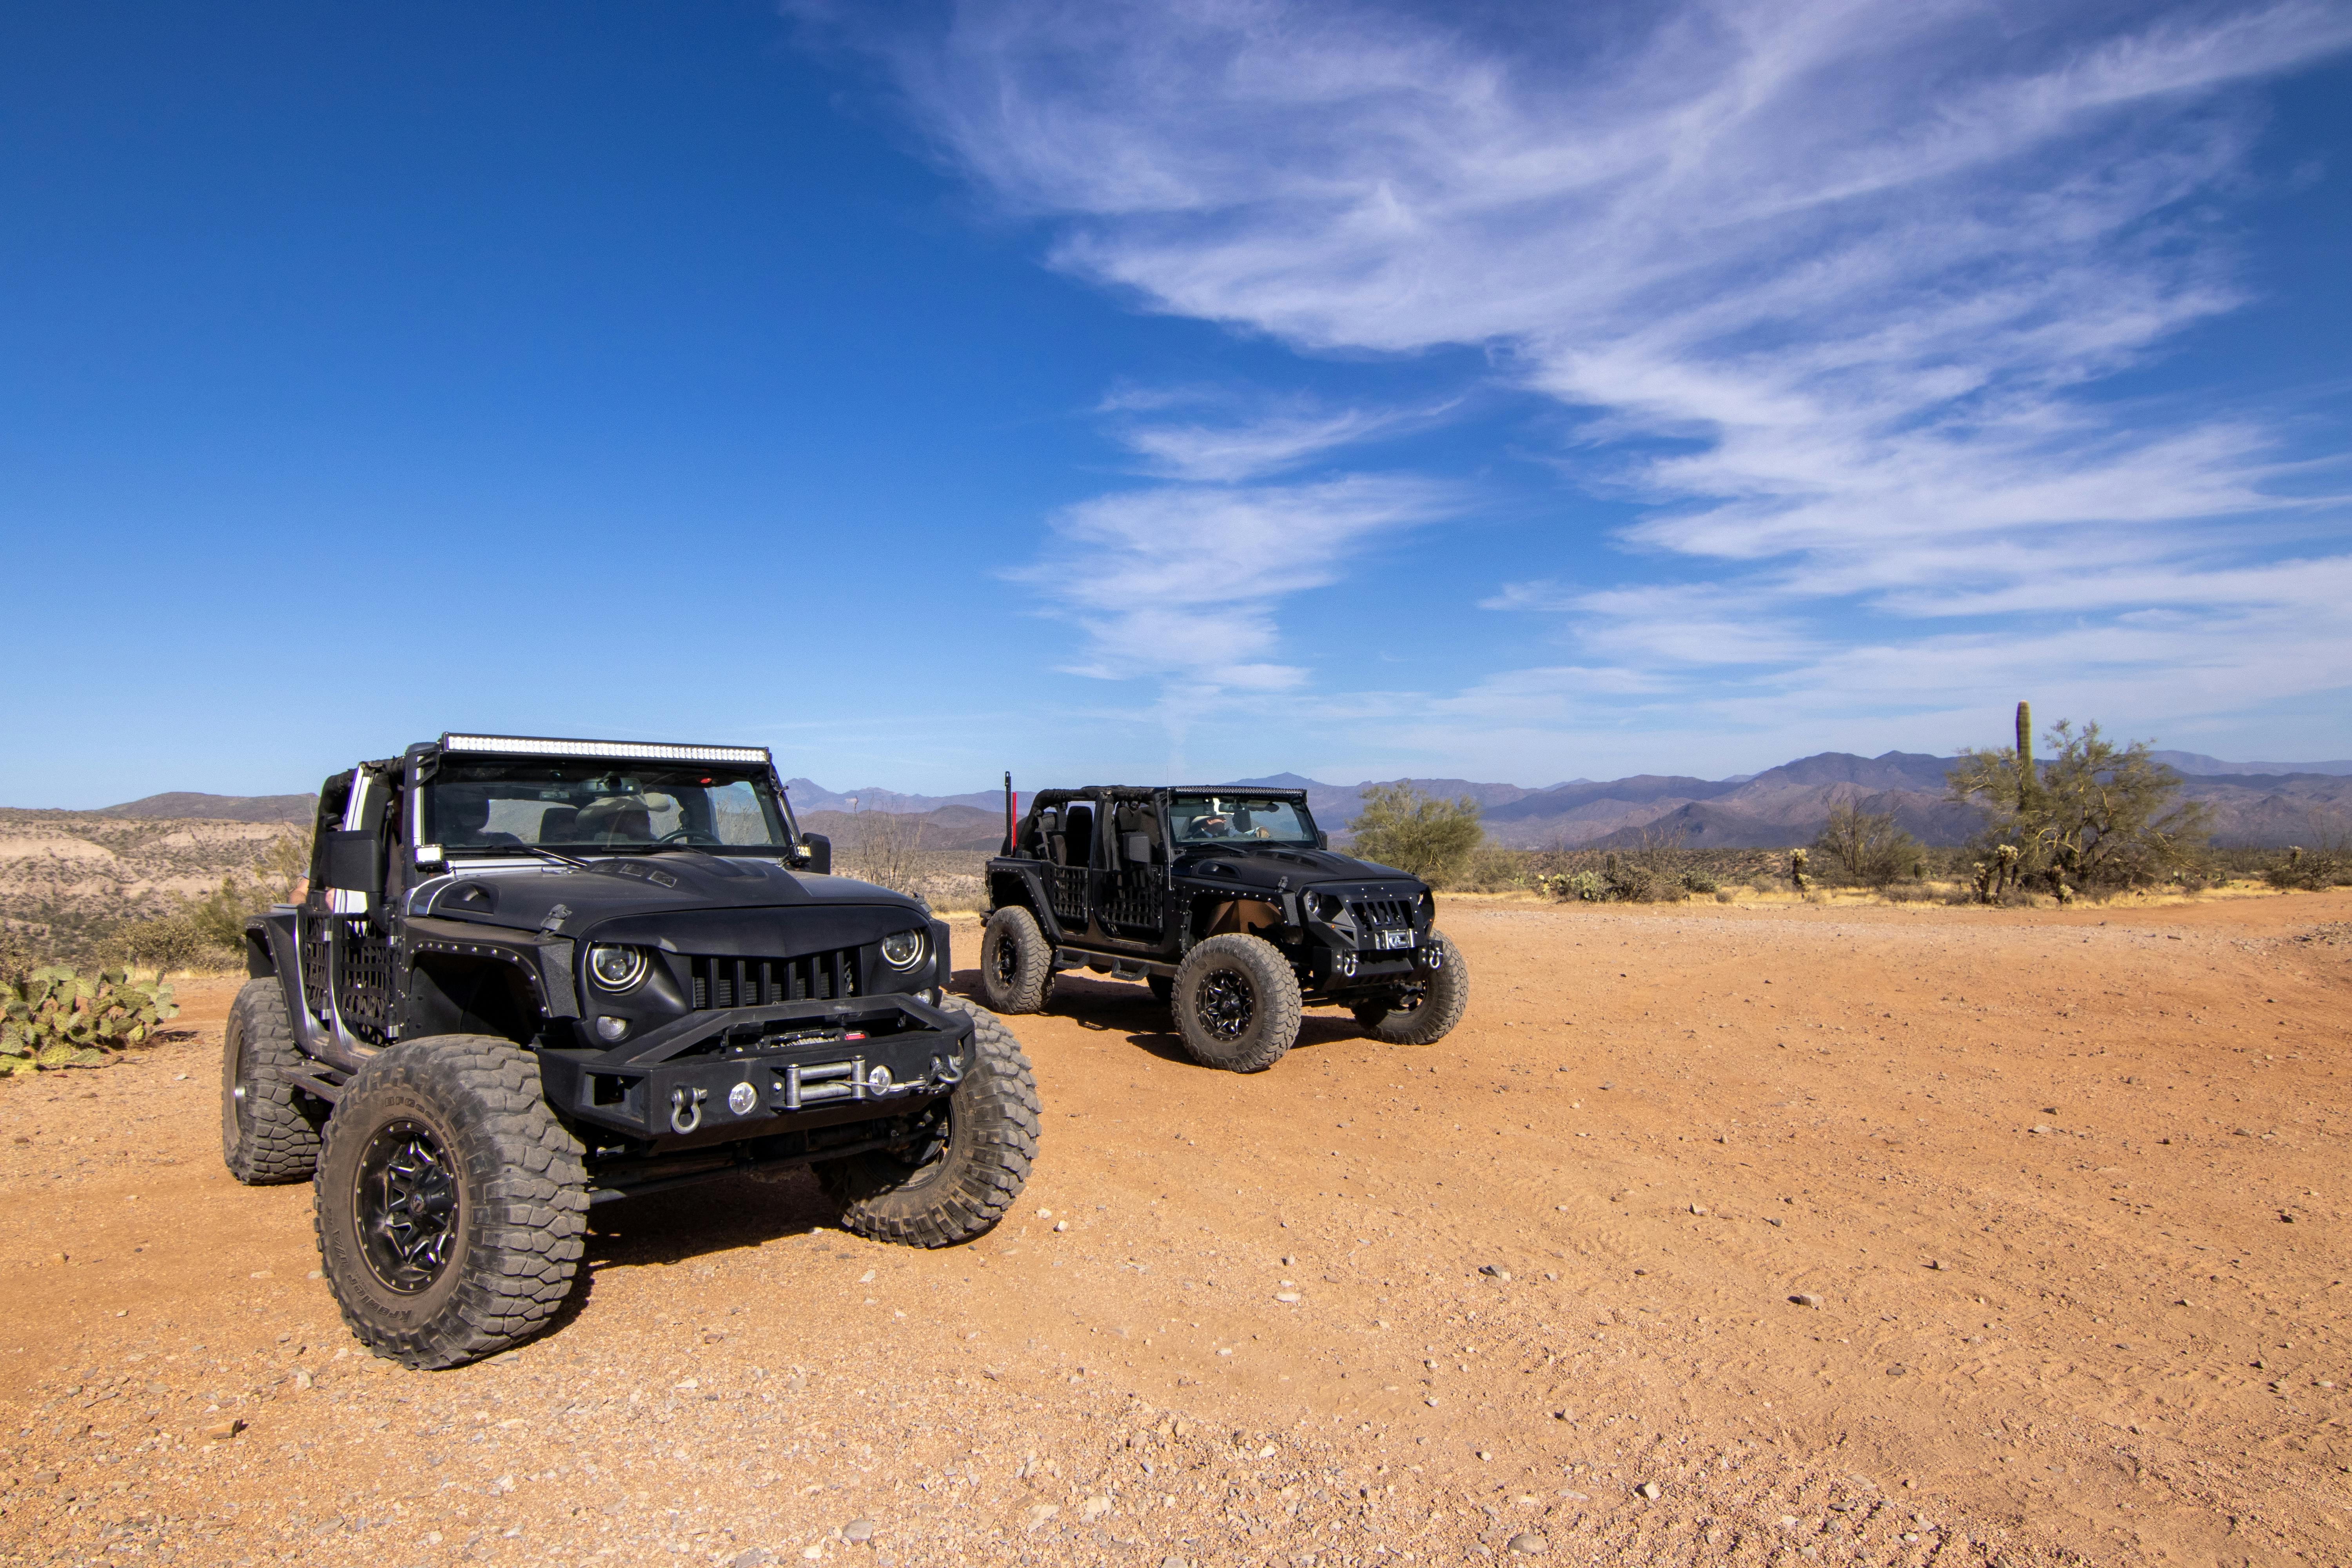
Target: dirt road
(2062, 1196)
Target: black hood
(1245, 865)
(569, 900)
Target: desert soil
(2059, 1198)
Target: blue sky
(1196, 389)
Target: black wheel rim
(1226, 1004)
(1007, 962)
(406, 1202)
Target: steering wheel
(689, 835)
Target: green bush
(221, 915)
(2329, 866)
(2094, 814)
(1699, 882)
(1584, 887)
(55, 1019)
(1402, 828)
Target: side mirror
(1139, 848)
(355, 862)
(817, 850)
(1322, 839)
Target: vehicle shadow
(720, 1216)
(1126, 1007)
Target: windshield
(486, 807)
(1226, 818)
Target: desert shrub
(2329, 866)
(1432, 838)
(1580, 887)
(2094, 814)
(1697, 882)
(172, 941)
(220, 916)
(16, 957)
(55, 1019)
(1492, 869)
(886, 849)
(1865, 848)
(1726, 896)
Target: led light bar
(628, 750)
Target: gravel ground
(1718, 1235)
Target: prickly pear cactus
(57, 1018)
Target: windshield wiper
(544, 853)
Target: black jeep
(1229, 902)
(530, 976)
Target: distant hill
(2253, 803)
(807, 795)
(294, 808)
(2214, 767)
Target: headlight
(1323, 906)
(903, 949)
(617, 968)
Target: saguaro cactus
(2026, 780)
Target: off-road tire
(1016, 963)
(1429, 1015)
(1237, 1003)
(515, 1178)
(966, 1186)
(1163, 987)
(269, 1128)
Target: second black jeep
(1229, 902)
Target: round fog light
(609, 1029)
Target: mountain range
(2266, 803)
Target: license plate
(1395, 939)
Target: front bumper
(725, 1074)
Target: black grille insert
(762, 981)
(1383, 914)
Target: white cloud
(1254, 447)
(1862, 260)
(1180, 581)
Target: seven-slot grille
(758, 982)
(1383, 914)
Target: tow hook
(1432, 957)
(685, 1107)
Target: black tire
(1425, 1012)
(451, 1205)
(1237, 1003)
(1163, 986)
(1016, 963)
(269, 1129)
(959, 1177)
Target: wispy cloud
(1180, 581)
(1826, 285)
(1268, 441)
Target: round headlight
(903, 949)
(617, 968)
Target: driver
(617, 819)
(466, 814)
(1216, 825)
